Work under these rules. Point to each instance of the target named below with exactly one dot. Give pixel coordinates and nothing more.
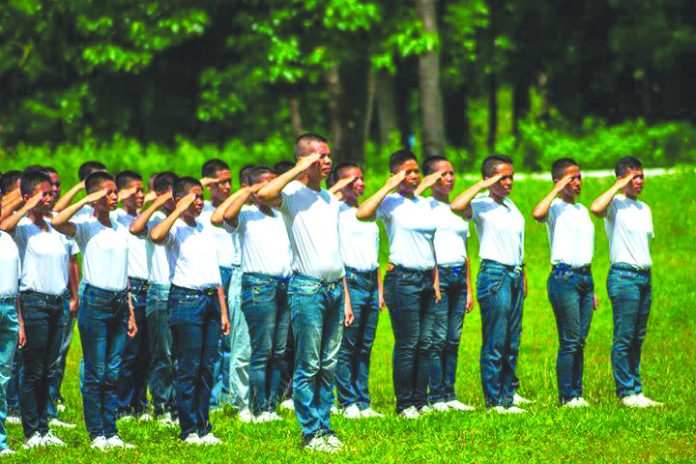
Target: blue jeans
(630, 291)
(103, 324)
(132, 379)
(447, 331)
(316, 311)
(57, 380)
(195, 324)
(13, 387)
(159, 337)
(500, 295)
(353, 369)
(410, 297)
(265, 306)
(44, 324)
(9, 327)
(240, 351)
(571, 292)
(221, 373)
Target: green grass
(604, 433)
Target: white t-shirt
(311, 219)
(410, 228)
(500, 229)
(190, 251)
(83, 213)
(9, 266)
(157, 261)
(359, 240)
(630, 230)
(45, 255)
(104, 253)
(264, 242)
(450, 235)
(571, 233)
(228, 254)
(137, 252)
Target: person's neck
(352, 202)
(497, 198)
(568, 198)
(215, 201)
(407, 193)
(631, 196)
(188, 220)
(38, 219)
(131, 211)
(311, 182)
(441, 196)
(102, 216)
(264, 208)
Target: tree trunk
(520, 103)
(295, 115)
(386, 107)
(370, 102)
(335, 92)
(457, 118)
(492, 82)
(430, 92)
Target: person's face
(170, 204)
(55, 181)
(322, 168)
(446, 182)
(635, 187)
(575, 185)
(412, 178)
(221, 189)
(502, 188)
(263, 179)
(135, 201)
(355, 189)
(194, 210)
(110, 200)
(44, 206)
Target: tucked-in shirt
(157, 261)
(264, 242)
(571, 233)
(450, 235)
(45, 255)
(104, 253)
(410, 228)
(9, 266)
(629, 228)
(311, 219)
(225, 238)
(359, 240)
(191, 251)
(137, 249)
(500, 228)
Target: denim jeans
(630, 291)
(103, 324)
(571, 292)
(13, 387)
(195, 324)
(57, 380)
(500, 295)
(159, 337)
(265, 307)
(316, 312)
(240, 344)
(44, 324)
(221, 373)
(9, 327)
(353, 369)
(132, 379)
(447, 331)
(410, 297)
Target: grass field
(604, 433)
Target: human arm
(21, 335)
(380, 289)
(74, 283)
(132, 326)
(601, 204)
(10, 203)
(10, 222)
(62, 221)
(469, 287)
(340, 183)
(271, 193)
(160, 232)
(368, 209)
(139, 225)
(462, 204)
(224, 314)
(542, 209)
(66, 199)
(347, 307)
(427, 182)
(228, 210)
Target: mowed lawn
(606, 432)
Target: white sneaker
(274, 416)
(116, 442)
(126, 418)
(7, 452)
(13, 420)
(573, 403)
(99, 443)
(167, 420)
(504, 410)
(352, 412)
(61, 408)
(51, 440)
(335, 410)
(518, 400)
(459, 406)
(582, 402)
(263, 417)
(61, 424)
(440, 406)
(370, 413)
(410, 413)
(145, 417)
(426, 410)
(515, 410)
(35, 441)
(193, 439)
(320, 444)
(210, 439)
(246, 416)
(288, 405)
(632, 401)
(647, 402)
(334, 442)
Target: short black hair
(336, 172)
(282, 167)
(88, 167)
(491, 162)
(211, 167)
(304, 140)
(30, 179)
(124, 178)
(164, 181)
(9, 181)
(183, 186)
(50, 170)
(428, 165)
(34, 168)
(258, 171)
(560, 165)
(93, 180)
(625, 164)
(400, 157)
(244, 173)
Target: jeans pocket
(304, 288)
(488, 283)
